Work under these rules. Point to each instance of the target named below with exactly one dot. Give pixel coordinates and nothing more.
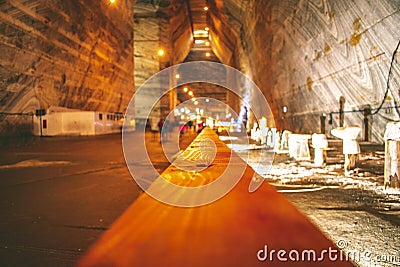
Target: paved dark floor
(57, 195)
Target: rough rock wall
(305, 55)
(147, 30)
(165, 26)
(75, 54)
(148, 35)
(181, 31)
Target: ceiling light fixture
(200, 34)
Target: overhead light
(193, 99)
(177, 76)
(160, 51)
(284, 109)
(206, 29)
(199, 41)
(207, 100)
(190, 93)
(196, 102)
(200, 33)
(185, 89)
(207, 43)
(208, 54)
(205, 8)
(112, 1)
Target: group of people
(164, 127)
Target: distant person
(245, 118)
(200, 127)
(190, 125)
(183, 128)
(165, 127)
(160, 125)
(154, 128)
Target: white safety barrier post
(392, 155)
(351, 147)
(320, 144)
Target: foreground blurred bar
(240, 229)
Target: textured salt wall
(165, 26)
(148, 30)
(304, 55)
(75, 54)
(307, 54)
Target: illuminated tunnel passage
(72, 68)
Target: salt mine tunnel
(311, 59)
(72, 68)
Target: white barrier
(350, 146)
